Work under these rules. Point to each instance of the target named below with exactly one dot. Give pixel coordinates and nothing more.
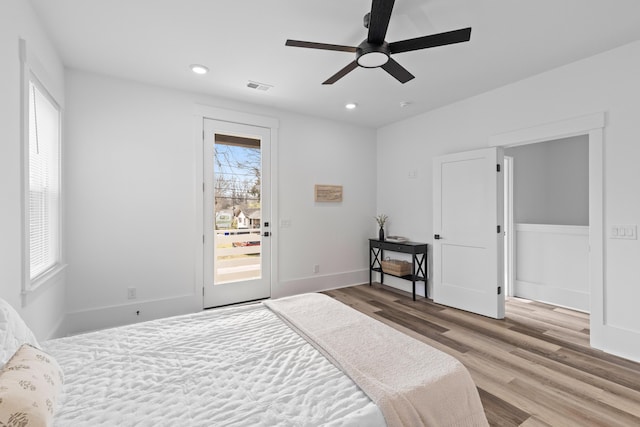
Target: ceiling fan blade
(433, 40)
(379, 20)
(397, 71)
(323, 46)
(340, 74)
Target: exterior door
(237, 205)
(468, 231)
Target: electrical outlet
(316, 269)
(132, 293)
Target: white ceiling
(155, 41)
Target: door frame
(602, 336)
(202, 112)
(510, 237)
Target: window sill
(44, 281)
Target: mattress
(239, 366)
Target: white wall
(552, 264)
(606, 82)
(551, 182)
(44, 309)
(331, 235)
(132, 188)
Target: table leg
(370, 266)
(381, 272)
(413, 275)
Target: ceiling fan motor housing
(369, 55)
(375, 52)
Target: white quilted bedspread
(228, 367)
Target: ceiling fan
(375, 52)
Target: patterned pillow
(30, 384)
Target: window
(43, 190)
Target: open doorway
(547, 222)
(603, 335)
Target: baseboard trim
(320, 283)
(552, 295)
(125, 314)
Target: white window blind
(44, 182)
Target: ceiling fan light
(373, 59)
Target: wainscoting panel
(552, 264)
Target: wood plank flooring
(534, 368)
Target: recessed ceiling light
(199, 69)
(350, 106)
(404, 104)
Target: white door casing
(509, 232)
(603, 335)
(468, 245)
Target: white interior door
(468, 231)
(237, 204)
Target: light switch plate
(285, 223)
(624, 231)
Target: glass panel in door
(237, 207)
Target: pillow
(30, 384)
(13, 332)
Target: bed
(307, 360)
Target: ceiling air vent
(259, 86)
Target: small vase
(381, 234)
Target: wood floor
(534, 368)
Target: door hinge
(498, 229)
(203, 238)
(498, 167)
(499, 290)
(203, 187)
(203, 291)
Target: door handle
(436, 236)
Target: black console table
(418, 252)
